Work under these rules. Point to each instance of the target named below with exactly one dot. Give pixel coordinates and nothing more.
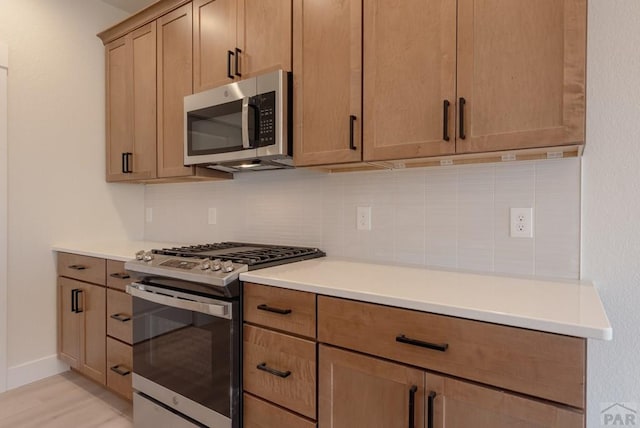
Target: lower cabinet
(119, 365)
(262, 414)
(82, 327)
(361, 391)
(94, 320)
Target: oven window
(184, 351)
(216, 129)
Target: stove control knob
(205, 265)
(216, 265)
(140, 255)
(148, 256)
(227, 266)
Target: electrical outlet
(363, 218)
(522, 222)
(212, 216)
(148, 215)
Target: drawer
(541, 364)
(119, 318)
(287, 373)
(281, 309)
(119, 364)
(258, 413)
(84, 268)
(117, 277)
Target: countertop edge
(549, 326)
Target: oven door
(186, 353)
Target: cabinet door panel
(327, 78)
(174, 82)
(521, 70)
(461, 405)
(409, 71)
(143, 43)
(360, 391)
(214, 33)
(264, 35)
(92, 303)
(68, 324)
(119, 79)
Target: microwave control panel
(266, 121)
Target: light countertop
(564, 307)
(114, 250)
(556, 306)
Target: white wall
(56, 162)
(453, 217)
(4, 64)
(611, 198)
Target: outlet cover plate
(363, 218)
(521, 223)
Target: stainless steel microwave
(240, 126)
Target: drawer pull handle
(430, 400)
(412, 405)
(267, 308)
(435, 346)
(120, 275)
(264, 368)
(75, 305)
(121, 371)
(77, 267)
(121, 317)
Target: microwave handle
(246, 143)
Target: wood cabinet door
(214, 35)
(360, 391)
(409, 78)
(521, 72)
(119, 121)
(327, 79)
(92, 307)
(68, 323)
(175, 80)
(143, 63)
(264, 36)
(457, 404)
(131, 106)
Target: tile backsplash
(451, 217)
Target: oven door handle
(220, 310)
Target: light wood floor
(67, 400)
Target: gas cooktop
(217, 265)
(255, 256)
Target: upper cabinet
(521, 74)
(439, 77)
(131, 105)
(409, 78)
(149, 70)
(175, 80)
(235, 39)
(327, 81)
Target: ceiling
(130, 6)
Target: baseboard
(32, 371)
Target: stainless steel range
(187, 328)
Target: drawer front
(258, 413)
(287, 373)
(540, 364)
(281, 309)
(119, 316)
(117, 277)
(84, 268)
(119, 364)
